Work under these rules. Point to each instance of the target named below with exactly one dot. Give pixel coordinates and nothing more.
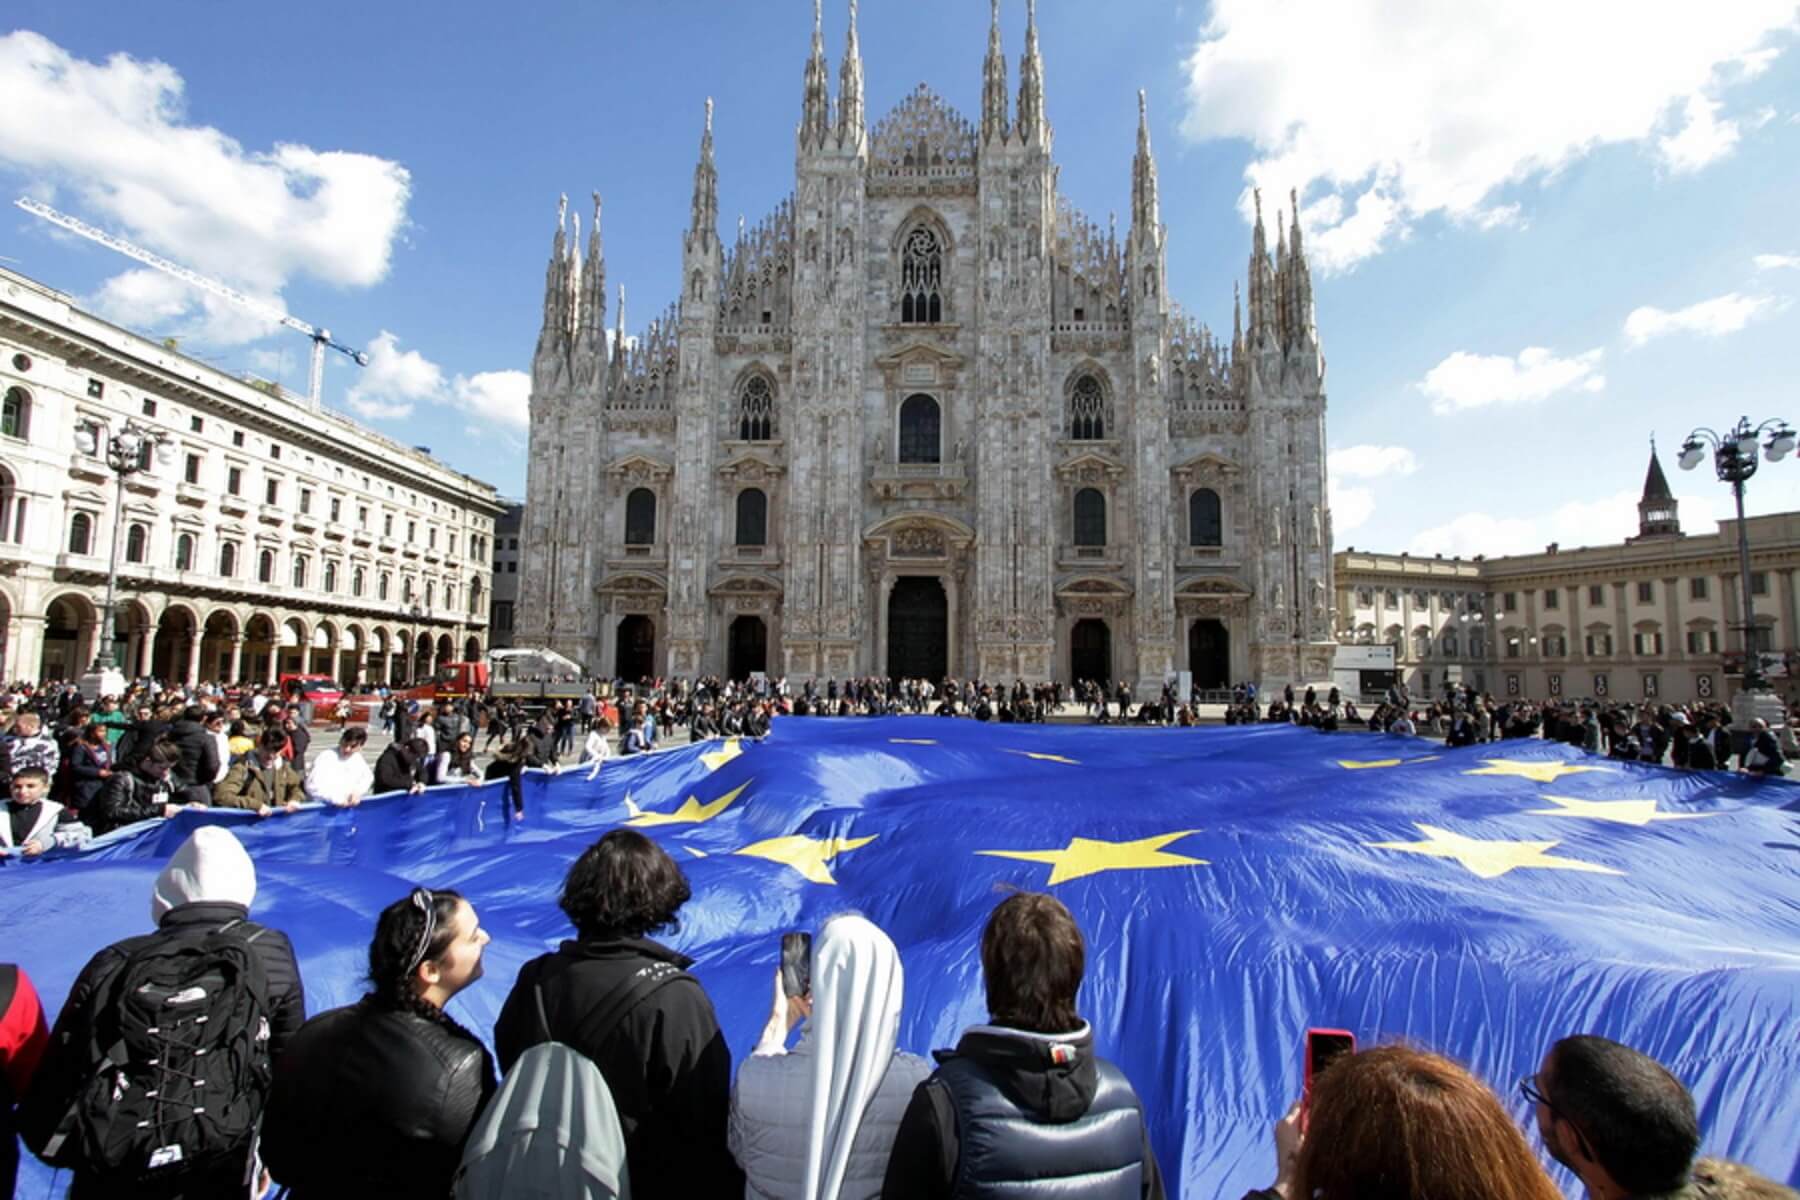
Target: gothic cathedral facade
(926, 419)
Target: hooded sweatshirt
(208, 883)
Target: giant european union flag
(1235, 886)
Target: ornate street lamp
(127, 452)
(1735, 460)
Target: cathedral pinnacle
(704, 218)
(850, 89)
(995, 115)
(1145, 213)
(1032, 125)
(815, 105)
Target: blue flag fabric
(1234, 885)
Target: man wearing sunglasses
(1615, 1117)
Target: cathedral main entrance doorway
(636, 659)
(1209, 654)
(748, 651)
(1090, 651)
(918, 628)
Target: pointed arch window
(1090, 517)
(1087, 410)
(752, 517)
(921, 278)
(756, 410)
(921, 425)
(1205, 528)
(137, 543)
(640, 517)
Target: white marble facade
(928, 418)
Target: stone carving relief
(917, 541)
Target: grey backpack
(552, 1129)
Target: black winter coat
(199, 754)
(665, 1061)
(397, 770)
(369, 1101)
(127, 797)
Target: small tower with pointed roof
(1658, 510)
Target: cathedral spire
(1305, 320)
(1262, 282)
(553, 334)
(705, 215)
(1145, 212)
(618, 341)
(850, 88)
(1033, 127)
(815, 104)
(996, 117)
(592, 308)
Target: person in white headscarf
(817, 1122)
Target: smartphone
(796, 963)
(1323, 1047)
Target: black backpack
(179, 1039)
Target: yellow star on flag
(806, 855)
(728, 750)
(1045, 757)
(1354, 765)
(1539, 772)
(691, 812)
(1490, 860)
(1090, 856)
(1622, 812)
(914, 741)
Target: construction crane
(321, 338)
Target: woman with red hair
(1396, 1123)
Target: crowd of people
(610, 1072)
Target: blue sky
(1540, 234)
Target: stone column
(1675, 640)
(87, 643)
(146, 652)
(274, 668)
(25, 646)
(191, 647)
(237, 659)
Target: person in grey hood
(1024, 1103)
(207, 887)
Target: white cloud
(148, 301)
(394, 381)
(1400, 113)
(1465, 380)
(1708, 318)
(1610, 519)
(253, 218)
(1351, 507)
(1371, 462)
(1777, 262)
(500, 397)
(1703, 138)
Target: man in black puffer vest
(1024, 1102)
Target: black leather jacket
(369, 1101)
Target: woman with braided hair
(377, 1099)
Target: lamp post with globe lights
(127, 452)
(1735, 455)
